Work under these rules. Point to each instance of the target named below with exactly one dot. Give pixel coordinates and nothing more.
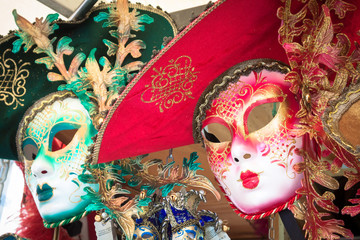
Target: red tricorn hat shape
(155, 111)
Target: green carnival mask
(53, 141)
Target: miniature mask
(53, 141)
(257, 166)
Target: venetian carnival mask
(257, 166)
(53, 140)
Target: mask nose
(41, 166)
(242, 150)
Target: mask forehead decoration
(256, 165)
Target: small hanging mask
(53, 141)
(256, 165)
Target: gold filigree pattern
(282, 150)
(217, 157)
(172, 84)
(229, 104)
(13, 77)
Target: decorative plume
(34, 34)
(96, 88)
(321, 67)
(117, 202)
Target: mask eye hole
(30, 149)
(61, 135)
(261, 115)
(62, 139)
(217, 133)
(147, 235)
(191, 234)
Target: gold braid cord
(322, 66)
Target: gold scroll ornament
(172, 84)
(12, 80)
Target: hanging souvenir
(259, 169)
(118, 203)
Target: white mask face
(54, 146)
(256, 168)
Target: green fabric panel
(36, 86)
(86, 35)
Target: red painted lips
(250, 180)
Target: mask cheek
(283, 153)
(218, 157)
(70, 161)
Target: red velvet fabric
(230, 32)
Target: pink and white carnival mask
(257, 167)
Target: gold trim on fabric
(65, 221)
(171, 84)
(95, 155)
(13, 77)
(6, 38)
